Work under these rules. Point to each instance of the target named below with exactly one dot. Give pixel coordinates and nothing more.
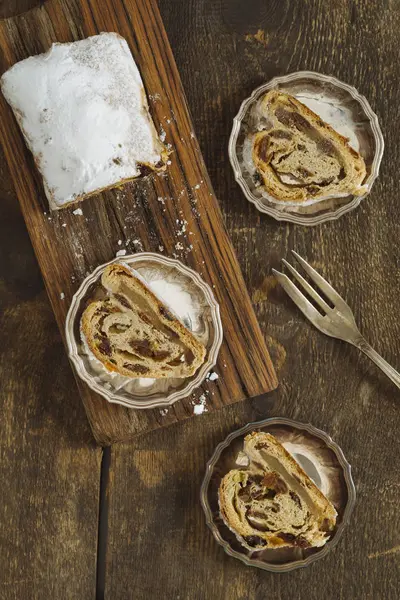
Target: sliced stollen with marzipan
(273, 503)
(133, 333)
(300, 158)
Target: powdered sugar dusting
(84, 115)
(212, 376)
(175, 297)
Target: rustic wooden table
(153, 539)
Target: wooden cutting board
(143, 215)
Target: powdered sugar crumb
(77, 211)
(119, 242)
(163, 412)
(138, 244)
(64, 225)
(182, 224)
(96, 82)
(200, 407)
(212, 376)
(121, 253)
(62, 296)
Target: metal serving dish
(335, 102)
(202, 319)
(321, 459)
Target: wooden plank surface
(224, 49)
(68, 247)
(222, 56)
(49, 465)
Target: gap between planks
(102, 535)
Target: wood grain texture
(68, 247)
(49, 465)
(12, 8)
(155, 481)
(222, 56)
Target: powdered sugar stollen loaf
(84, 114)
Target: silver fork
(336, 322)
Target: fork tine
(307, 287)
(326, 287)
(298, 298)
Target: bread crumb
(182, 225)
(200, 407)
(242, 459)
(77, 211)
(121, 253)
(155, 97)
(138, 244)
(212, 376)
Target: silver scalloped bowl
(321, 459)
(335, 102)
(202, 319)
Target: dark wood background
(158, 544)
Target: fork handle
(363, 345)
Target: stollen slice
(300, 158)
(273, 503)
(133, 333)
